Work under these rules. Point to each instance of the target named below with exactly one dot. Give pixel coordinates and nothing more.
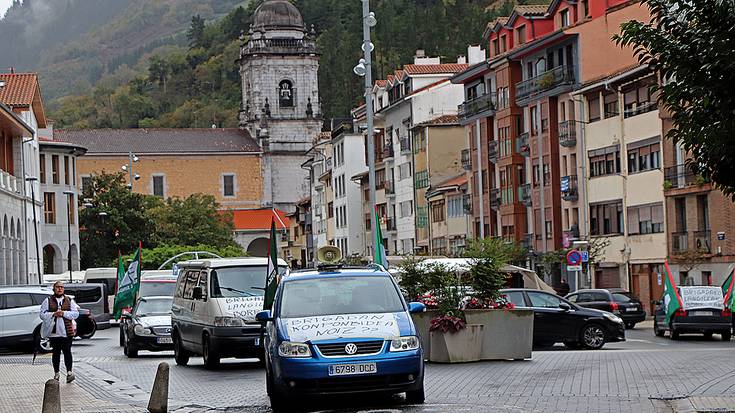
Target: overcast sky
(4, 5)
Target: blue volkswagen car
(341, 331)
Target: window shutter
(633, 220)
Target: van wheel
(211, 358)
(181, 355)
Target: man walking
(61, 310)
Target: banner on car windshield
(329, 327)
(701, 297)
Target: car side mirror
(565, 306)
(197, 293)
(416, 307)
(264, 316)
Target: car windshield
(160, 288)
(159, 306)
(623, 297)
(339, 295)
(245, 281)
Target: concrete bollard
(159, 394)
(51, 397)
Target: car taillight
(727, 312)
(680, 313)
(614, 307)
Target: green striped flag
(727, 292)
(672, 301)
(379, 255)
(128, 284)
(271, 277)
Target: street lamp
(69, 200)
(132, 158)
(32, 179)
(363, 69)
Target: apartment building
(319, 164)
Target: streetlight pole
(364, 69)
(69, 200)
(32, 179)
(132, 158)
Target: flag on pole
(128, 283)
(379, 255)
(672, 300)
(727, 292)
(271, 277)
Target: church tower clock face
(280, 98)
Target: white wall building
(348, 160)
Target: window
(18, 300)
(644, 155)
(228, 185)
(158, 185)
(521, 35)
(437, 211)
(42, 165)
(564, 18)
(515, 297)
(285, 94)
(606, 218)
(70, 208)
(66, 170)
(330, 210)
(503, 43)
(605, 161)
(49, 207)
(593, 108)
(496, 47)
(405, 209)
(421, 179)
(55, 168)
(86, 186)
(455, 206)
(646, 219)
(543, 300)
(637, 98)
(404, 171)
(611, 104)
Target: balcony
(480, 104)
(466, 157)
(524, 194)
(405, 145)
(569, 190)
(388, 152)
(681, 176)
(522, 145)
(568, 133)
(492, 151)
(558, 76)
(495, 200)
(390, 224)
(703, 241)
(679, 242)
(390, 189)
(10, 183)
(634, 110)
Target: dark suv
(615, 300)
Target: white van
(214, 307)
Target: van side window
(191, 281)
(203, 283)
(180, 284)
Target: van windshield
(339, 295)
(246, 281)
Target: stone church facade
(280, 99)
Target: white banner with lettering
(701, 297)
(329, 327)
(244, 307)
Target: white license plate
(631, 309)
(164, 340)
(702, 313)
(348, 369)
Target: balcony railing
(477, 105)
(522, 144)
(405, 145)
(390, 188)
(492, 151)
(568, 133)
(560, 75)
(279, 46)
(524, 194)
(679, 242)
(466, 157)
(703, 241)
(495, 199)
(390, 224)
(388, 152)
(10, 183)
(569, 190)
(681, 176)
(634, 110)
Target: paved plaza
(644, 374)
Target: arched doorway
(258, 248)
(50, 258)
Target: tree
(154, 257)
(193, 220)
(195, 34)
(690, 43)
(489, 256)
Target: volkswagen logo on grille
(350, 349)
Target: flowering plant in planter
(447, 324)
(428, 300)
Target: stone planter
(460, 347)
(507, 334)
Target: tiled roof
(442, 120)
(414, 69)
(400, 74)
(500, 20)
(258, 219)
(19, 88)
(531, 9)
(163, 140)
(458, 180)
(380, 83)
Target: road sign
(585, 256)
(721, 236)
(574, 257)
(574, 268)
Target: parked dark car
(618, 301)
(148, 327)
(558, 320)
(706, 321)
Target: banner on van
(701, 297)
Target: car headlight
(291, 349)
(228, 322)
(613, 318)
(142, 331)
(405, 343)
